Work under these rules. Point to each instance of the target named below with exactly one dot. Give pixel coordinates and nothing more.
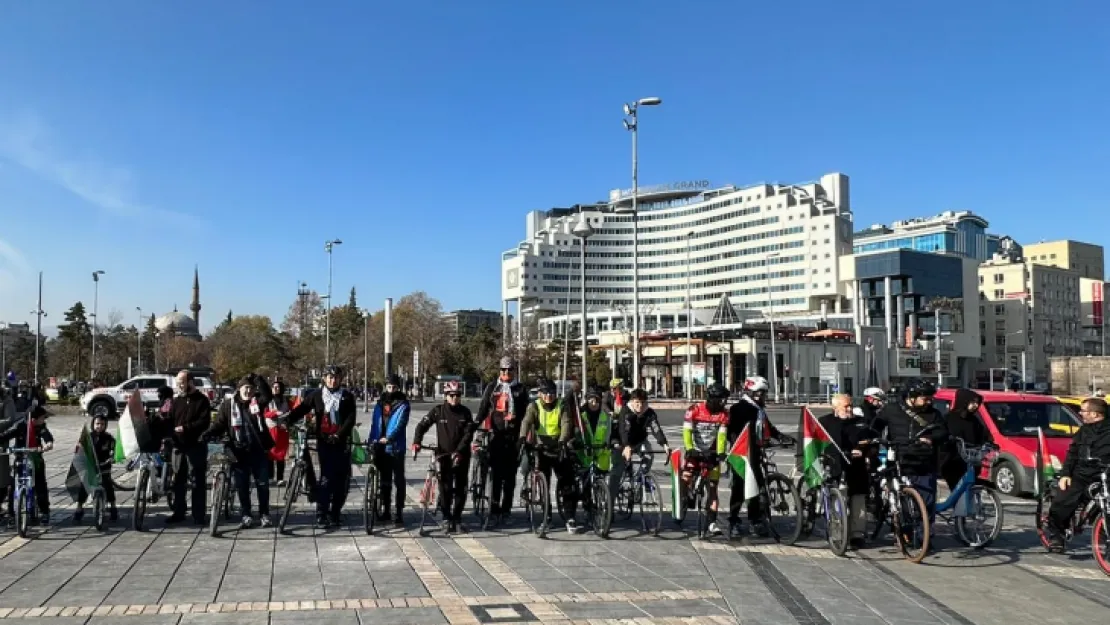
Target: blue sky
(142, 138)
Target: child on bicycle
(704, 435)
(104, 445)
(20, 433)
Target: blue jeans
(253, 462)
(926, 486)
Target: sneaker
(246, 523)
(321, 521)
(281, 483)
(175, 518)
(572, 527)
(760, 529)
(384, 517)
(1058, 544)
(265, 521)
(336, 520)
(452, 528)
(714, 528)
(857, 543)
(113, 514)
(78, 514)
(44, 520)
(735, 529)
(399, 522)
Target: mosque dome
(182, 324)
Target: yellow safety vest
(548, 424)
(599, 438)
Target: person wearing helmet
(500, 414)
(549, 428)
(454, 425)
(334, 411)
(750, 411)
(389, 426)
(704, 437)
(615, 398)
(917, 431)
(873, 400)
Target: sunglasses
(451, 395)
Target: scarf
(243, 434)
(761, 431)
(329, 424)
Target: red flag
(32, 438)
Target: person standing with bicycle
(704, 438)
(750, 410)
(548, 427)
(388, 427)
(634, 423)
(454, 425)
(241, 416)
(29, 435)
(1092, 440)
(917, 431)
(104, 445)
(334, 412)
(848, 431)
(504, 403)
(963, 423)
(191, 416)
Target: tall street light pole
(366, 359)
(3, 349)
(771, 316)
(583, 231)
(689, 376)
(328, 246)
(632, 124)
(139, 343)
(39, 314)
(96, 304)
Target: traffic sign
(828, 371)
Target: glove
(713, 458)
(456, 459)
(787, 441)
(333, 439)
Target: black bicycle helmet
(717, 391)
(919, 388)
(546, 387)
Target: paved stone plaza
(68, 574)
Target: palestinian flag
(739, 458)
(134, 432)
(32, 436)
(675, 465)
(1045, 471)
(84, 471)
(815, 440)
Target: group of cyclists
(560, 434)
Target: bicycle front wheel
(98, 510)
(784, 509)
(602, 509)
(983, 522)
(1041, 519)
(428, 501)
(479, 490)
(625, 501)
(911, 525)
(370, 503)
(291, 491)
(22, 514)
(701, 502)
(1100, 543)
(138, 504)
(539, 504)
(219, 489)
(651, 506)
(836, 521)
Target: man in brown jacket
(549, 427)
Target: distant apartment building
(1028, 308)
(1092, 318)
(463, 323)
(961, 233)
(1085, 259)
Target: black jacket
(609, 401)
(254, 429)
(904, 428)
(487, 409)
(745, 413)
(105, 447)
(847, 434)
(193, 412)
(16, 430)
(345, 415)
(634, 428)
(963, 425)
(1092, 440)
(454, 428)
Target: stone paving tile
(399, 616)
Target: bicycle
(966, 501)
(24, 493)
(778, 493)
(1093, 514)
(900, 505)
(430, 495)
(535, 495)
(639, 487)
(591, 489)
(295, 485)
(481, 485)
(148, 490)
(219, 465)
(696, 496)
(828, 501)
(371, 504)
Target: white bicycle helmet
(756, 384)
(874, 392)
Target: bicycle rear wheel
(601, 508)
(625, 501)
(370, 503)
(219, 489)
(701, 502)
(784, 509)
(539, 504)
(98, 510)
(291, 492)
(651, 506)
(138, 504)
(480, 490)
(1100, 543)
(983, 522)
(22, 514)
(912, 531)
(1041, 519)
(836, 521)
(428, 500)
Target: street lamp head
(582, 229)
(628, 110)
(653, 101)
(629, 125)
(97, 274)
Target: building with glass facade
(961, 233)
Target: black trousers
(953, 470)
(1065, 503)
(109, 490)
(563, 468)
(277, 469)
(502, 466)
(335, 474)
(391, 479)
(736, 496)
(452, 487)
(197, 457)
(252, 463)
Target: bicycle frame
(974, 460)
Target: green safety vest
(548, 423)
(597, 437)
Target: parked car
(1014, 420)
(109, 401)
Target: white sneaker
(247, 523)
(572, 527)
(265, 521)
(714, 529)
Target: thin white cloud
(25, 139)
(13, 266)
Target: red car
(1013, 420)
